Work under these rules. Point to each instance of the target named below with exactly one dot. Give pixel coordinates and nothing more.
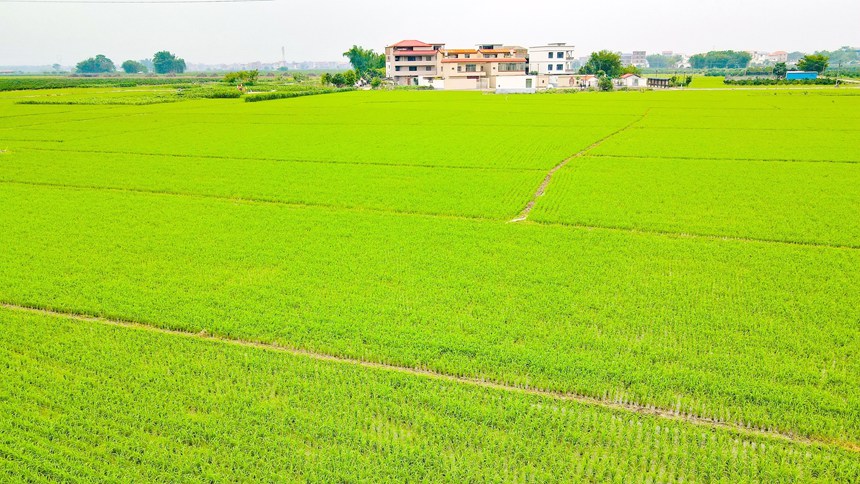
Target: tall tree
(165, 62)
(606, 61)
(722, 59)
(658, 61)
(780, 69)
(363, 60)
(813, 62)
(95, 65)
(133, 67)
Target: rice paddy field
(389, 286)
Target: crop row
(748, 333)
(795, 202)
(85, 401)
(468, 192)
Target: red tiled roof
(460, 51)
(411, 43)
(625, 76)
(471, 61)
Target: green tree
(133, 67)
(364, 60)
(349, 78)
(242, 77)
(631, 69)
(813, 62)
(604, 82)
(95, 65)
(780, 69)
(606, 61)
(658, 61)
(164, 62)
(844, 55)
(722, 59)
(325, 79)
(795, 56)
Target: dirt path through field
(524, 214)
(483, 383)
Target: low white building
(552, 59)
(434, 82)
(524, 84)
(631, 81)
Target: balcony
(418, 58)
(419, 72)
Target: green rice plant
(668, 321)
(373, 225)
(269, 96)
(89, 402)
(787, 201)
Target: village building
(409, 62)
(554, 58)
(630, 81)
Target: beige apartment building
(408, 62)
(412, 62)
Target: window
(549, 67)
(511, 67)
(411, 58)
(471, 68)
(427, 68)
(413, 68)
(558, 55)
(468, 56)
(559, 67)
(550, 55)
(397, 68)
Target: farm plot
(476, 192)
(85, 401)
(793, 202)
(673, 322)
(735, 144)
(701, 358)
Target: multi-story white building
(636, 58)
(553, 58)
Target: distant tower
(283, 57)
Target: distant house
(408, 60)
(778, 56)
(552, 59)
(484, 67)
(631, 81)
(795, 75)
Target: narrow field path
(524, 214)
(482, 383)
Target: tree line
(162, 62)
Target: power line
(120, 2)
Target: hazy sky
(47, 33)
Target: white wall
(539, 59)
